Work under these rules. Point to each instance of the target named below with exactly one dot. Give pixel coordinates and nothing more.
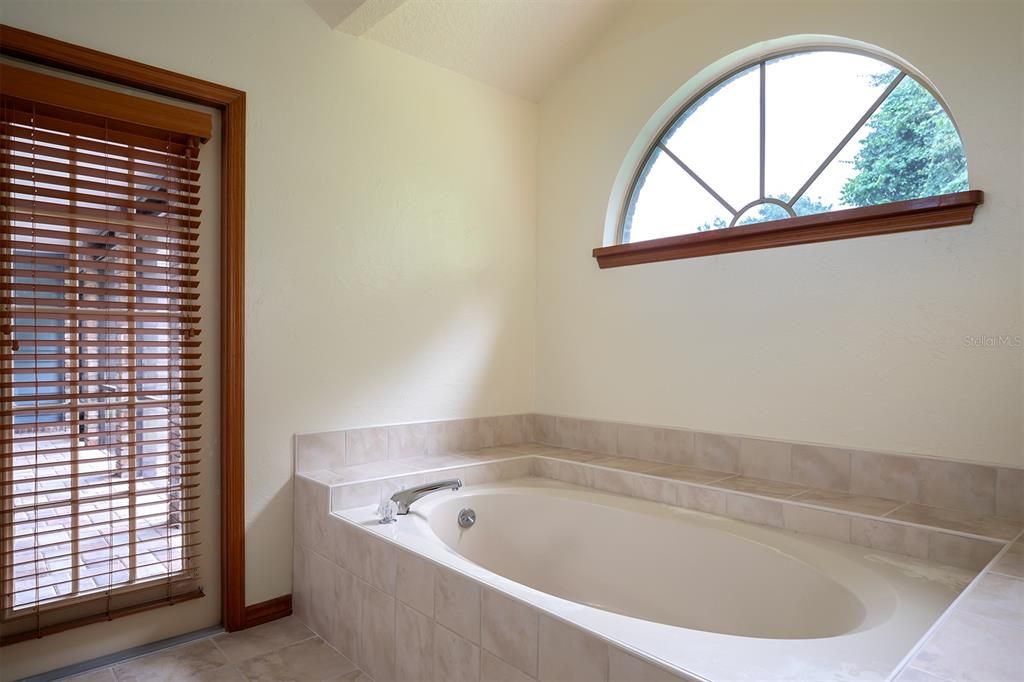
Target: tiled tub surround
(981, 638)
(842, 477)
(332, 557)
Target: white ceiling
(519, 46)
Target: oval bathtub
(671, 567)
(703, 595)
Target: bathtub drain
(467, 517)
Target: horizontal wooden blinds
(101, 364)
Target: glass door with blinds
(101, 369)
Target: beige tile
(997, 597)
(101, 675)
(821, 467)
(238, 646)
(344, 606)
(508, 430)
(497, 471)
(625, 667)
(324, 450)
(380, 469)
(494, 669)
(653, 489)
(636, 441)
(1012, 563)
(225, 673)
(682, 472)
(529, 449)
(355, 676)
(355, 495)
(509, 630)
(613, 481)
(377, 634)
(759, 486)
(972, 648)
(545, 429)
(1010, 493)
(767, 459)
(879, 475)
(754, 510)
(910, 674)
(964, 522)
(859, 504)
(310, 660)
(186, 662)
(366, 445)
(381, 569)
(467, 434)
(576, 474)
(568, 654)
(815, 522)
(543, 467)
(585, 434)
(627, 464)
(647, 442)
(716, 452)
(457, 603)
(330, 477)
(346, 545)
(963, 552)
(415, 585)
(575, 455)
(302, 593)
(701, 499)
(889, 537)
(455, 659)
(956, 485)
(414, 645)
(529, 428)
(311, 508)
(328, 601)
(410, 440)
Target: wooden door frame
(47, 51)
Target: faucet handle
(386, 510)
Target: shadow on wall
(456, 354)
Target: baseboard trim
(266, 611)
(121, 656)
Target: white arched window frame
(920, 212)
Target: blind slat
(101, 373)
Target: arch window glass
(799, 134)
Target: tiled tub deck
(375, 618)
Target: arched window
(790, 149)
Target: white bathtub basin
(679, 569)
(714, 597)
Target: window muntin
(796, 134)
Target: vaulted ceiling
(519, 46)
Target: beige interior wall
(856, 343)
(390, 222)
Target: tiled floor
(282, 650)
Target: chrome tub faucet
(403, 499)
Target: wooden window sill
(902, 216)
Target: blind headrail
(131, 114)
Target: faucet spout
(404, 498)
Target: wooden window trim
(47, 51)
(944, 210)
